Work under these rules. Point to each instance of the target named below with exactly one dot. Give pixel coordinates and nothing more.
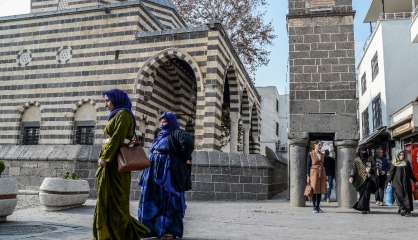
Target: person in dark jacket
(381, 169)
(362, 178)
(330, 171)
(400, 177)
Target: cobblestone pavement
(229, 220)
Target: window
(363, 84)
(85, 135)
(377, 112)
(365, 122)
(277, 105)
(30, 135)
(277, 129)
(375, 66)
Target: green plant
(2, 167)
(72, 175)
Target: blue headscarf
(172, 125)
(120, 101)
(172, 122)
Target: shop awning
(375, 136)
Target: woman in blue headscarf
(161, 207)
(112, 220)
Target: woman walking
(112, 220)
(162, 207)
(401, 176)
(362, 178)
(317, 177)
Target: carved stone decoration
(62, 5)
(64, 54)
(24, 57)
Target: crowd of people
(371, 174)
(163, 184)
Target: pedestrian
(112, 219)
(381, 170)
(330, 171)
(316, 176)
(162, 205)
(362, 178)
(400, 176)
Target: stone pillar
(246, 139)
(297, 165)
(234, 132)
(346, 194)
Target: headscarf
(172, 125)
(120, 101)
(398, 162)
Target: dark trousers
(330, 187)
(363, 203)
(380, 193)
(316, 201)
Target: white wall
(284, 118)
(269, 117)
(376, 86)
(401, 65)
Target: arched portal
(170, 81)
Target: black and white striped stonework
(142, 47)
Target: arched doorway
(170, 81)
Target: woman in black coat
(400, 177)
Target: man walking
(382, 167)
(330, 171)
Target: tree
(242, 19)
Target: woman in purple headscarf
(112, 220)
(162, 207)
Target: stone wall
(216, 175)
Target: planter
(8, 197)
(58, 194)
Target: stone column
(297, 165)
(234, 132)
(346, 194)
(246, 139)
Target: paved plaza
(272, 219)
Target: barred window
(363, 84)
(377, 112)
(30, 135)
(375, 66)
(365, 122)
(85, 135)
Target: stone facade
(322, 82)
(57, 60)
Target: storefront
(404, 132)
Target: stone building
(57, 60)
(322, 80)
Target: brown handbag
(308, 191)
(132, 157)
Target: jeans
(330, 187)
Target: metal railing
(395, 16)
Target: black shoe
(403, 213)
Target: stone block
(245, 179)
(327, 106)
(316, 94)
(203, 187)
(246, 196)
(237, 188)
(252, 188)
(236, 171)
(203, 196)
(225, 196)
(203, 178)
(222, 187)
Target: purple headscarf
(120, 101)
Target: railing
(395, 16)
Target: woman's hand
(101, 163)
(351, 179)
(189, 162)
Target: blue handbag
(388, 198)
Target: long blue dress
(161, 207)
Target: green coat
(112, 220)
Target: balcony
(414, 26)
